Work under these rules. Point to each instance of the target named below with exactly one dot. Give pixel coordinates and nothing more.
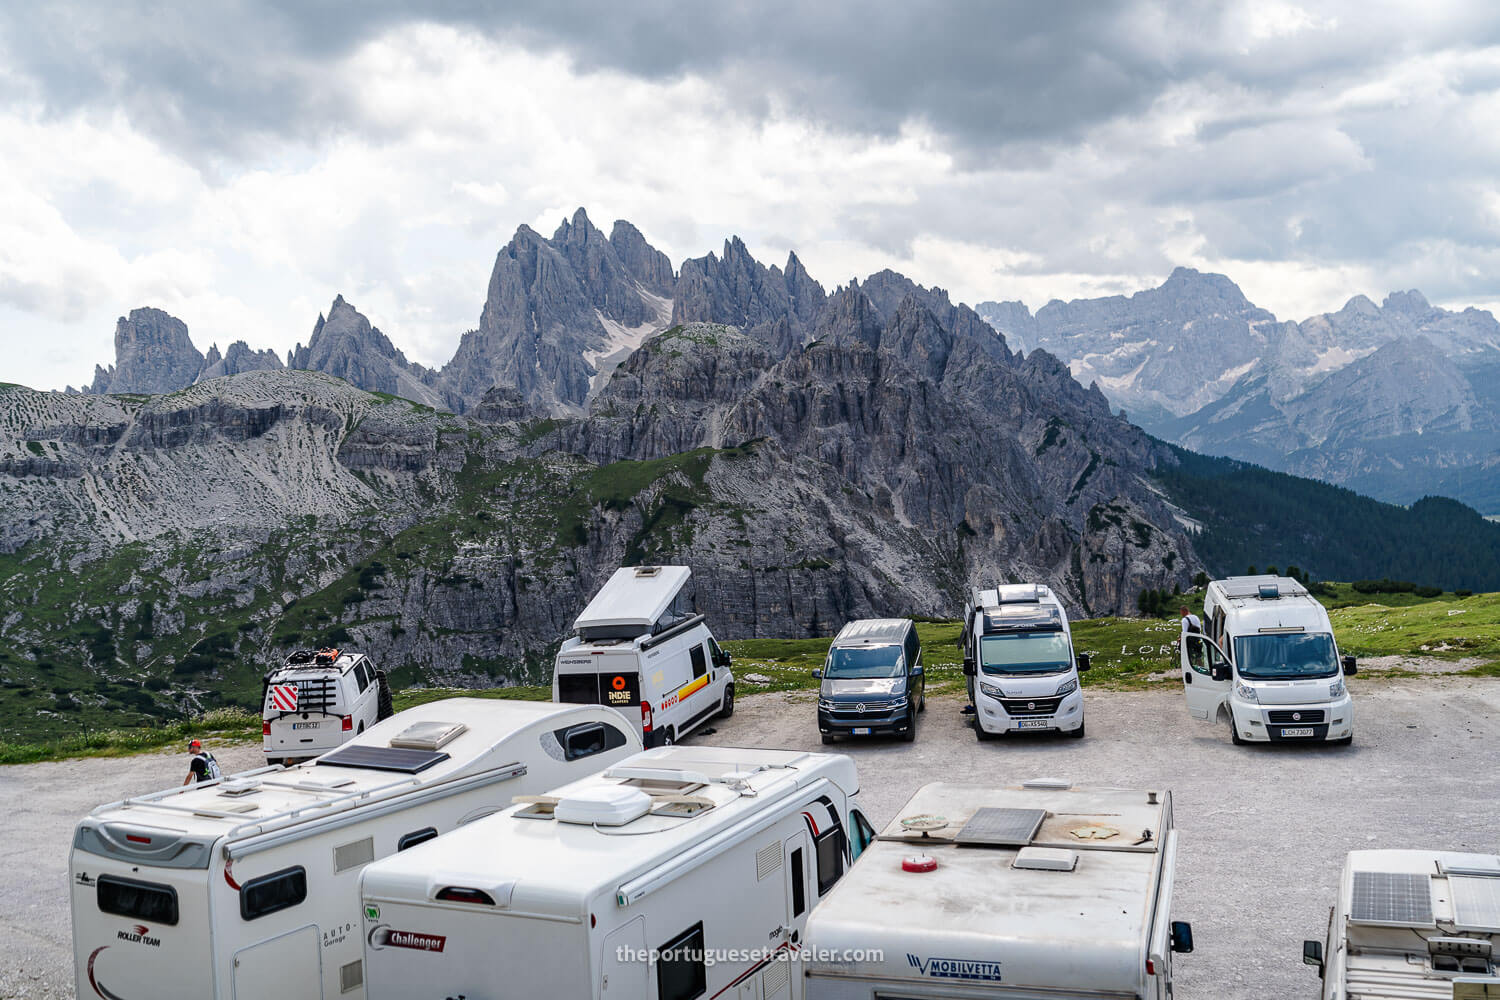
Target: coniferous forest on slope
(1252, 516)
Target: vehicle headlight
(1068, 686)
(825, 705)
(1246, 693)
(1336, 689)
(898, 703)
(991, 690)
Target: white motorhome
(1410, 925)
(681, 872)
(1267, 663)
(246, 886)
(639, 647)
(1028, 892)
(320, 699)
(1019, 662)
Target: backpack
(211, 769)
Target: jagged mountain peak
(1411, 302)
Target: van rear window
(149, 901)
(578, 689)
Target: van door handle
(1187, 678)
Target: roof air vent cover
(431, 735)
(611, 805)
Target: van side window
(830, 848)
(587, 739)
(913, 648)
(361, 676)
(700, 664)
(864, 833)
(799, 884)
(416, 837)
(277, 891)
(680, 972)
(150, 901)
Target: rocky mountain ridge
(1392, 399)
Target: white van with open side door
(1019, 662)
(247, 886)
(1026, 892)
(638, 646)
(320, 699)
(681, 872)
(1409, 925)
(1267, 663)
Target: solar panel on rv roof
(1001, 827)
(383, 758)
(1392, 899)
(1476, 903)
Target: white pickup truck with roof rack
(1030, 892)
(639, 646)
(681, 872)
(1267, 662)
(1412, 925)
(246, 886)
(1019, 662)
(320, 699)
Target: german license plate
(1301, 731)
(306, 725)
(861, 731)
(1033, 723)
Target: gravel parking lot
(1263, 829)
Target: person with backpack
(202, 767)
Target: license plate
(306, 725)
(1303, 731)
(1033, 723)
(861, 731)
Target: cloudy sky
(239, 164)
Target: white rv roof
(1249, 586)
(1093, 920)
(634, 595)
(1404, 897)
(236, 803)
(554, 867)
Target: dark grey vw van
(872, 680)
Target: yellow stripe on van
(701, 682)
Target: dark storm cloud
(223, 77)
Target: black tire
(726, 707)
(1077, 734)
(910, 734)
(922, 701)
(827, 739)
(668, 738)
(1234, 731)
(360, 730)
(384, 708)
(979, 732)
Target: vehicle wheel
(1234, 731)
(726, 709)
(1077, 734)
(979, 731)
(360, 729)
(922, 701)
(911, 728)
(827, 739)
(668, 737)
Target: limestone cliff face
(153, 353)
(346, 346)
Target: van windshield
(1025, 653)
(864, 662)
(1289, 654)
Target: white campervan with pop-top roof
(1019, 662)
(246, 887)
(641, 648)
(1267, 663)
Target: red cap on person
(195, 745)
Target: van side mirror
(1350, 667)
(1219, 671)
(918, 670)
(968, 667)
(817, 675)
(1083, 661)
(1182, 937)
(1312, 954)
